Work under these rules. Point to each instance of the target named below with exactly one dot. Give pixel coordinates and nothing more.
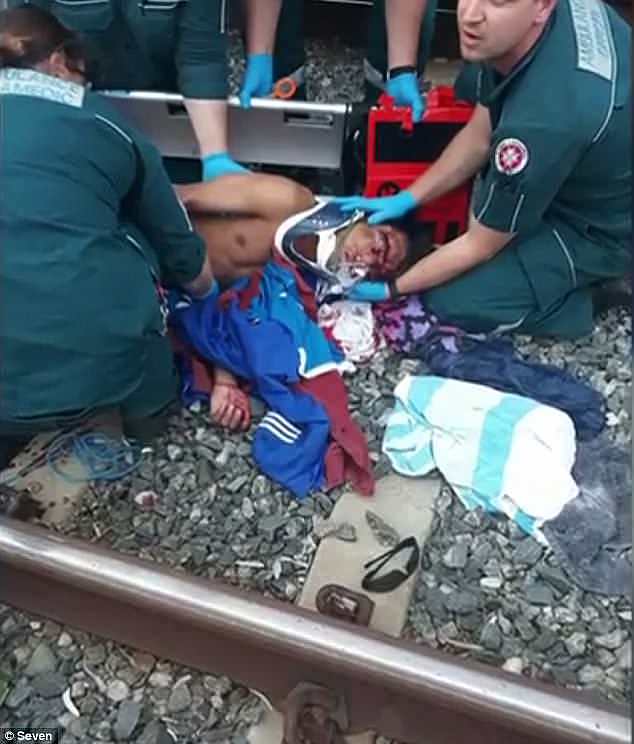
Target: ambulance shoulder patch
(511, 156)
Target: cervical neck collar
(324, 221)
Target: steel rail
(394, 687)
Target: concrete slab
(406, 504)
(57, 496)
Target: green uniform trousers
(140, 411)
(534, 285)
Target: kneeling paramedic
(550, 142)
(90, 224)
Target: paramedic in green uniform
(550, 142)
(89, 224)
(162, 45)
(398, 47)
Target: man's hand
(383, 208)
(204, 285)
(405, 91)
(201, 296)
(220, 164)
(369, 292)
(258, 78)
(229, 407)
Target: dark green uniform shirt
(167, 45)
(88, 223)
(560, 157)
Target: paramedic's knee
(492, 296)
(452, 307)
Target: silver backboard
(271, 132)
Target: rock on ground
(214, 515)
(121, 694)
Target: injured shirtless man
(243, 219)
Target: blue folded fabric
(493, 362)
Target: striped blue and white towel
(502, 452)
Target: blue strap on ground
(102, 457)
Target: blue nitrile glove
(383, 208)
(220, 164)
(405, 92)
(369, 292)
(258, 78)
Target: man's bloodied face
(382, 248)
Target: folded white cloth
(499, 451)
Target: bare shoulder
(254, 194)
(278, 196)
(288, 191)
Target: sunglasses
(393, 579)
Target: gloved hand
(405, 92)
(384, 208)
(258, 78)
(369, 292)
(220, 164)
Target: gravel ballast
(486, 591)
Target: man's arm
(461, 160)
(261, 25)
(262, 19)
(477, 245)
(209, 121)
(156, 211)
(203, 284)
(260, 195)
(403, 19)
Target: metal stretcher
(288, 133)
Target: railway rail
(360, 679)
(300, 660)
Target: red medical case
(399, 151)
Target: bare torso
(237, 217)
(236, 246)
